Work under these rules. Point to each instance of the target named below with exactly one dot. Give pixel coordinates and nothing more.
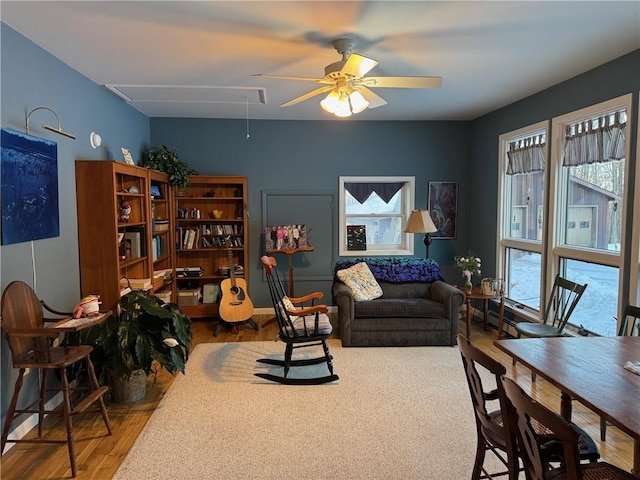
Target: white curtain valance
(527, 155)
(597, 140)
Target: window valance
(597, 140)
(362, 191)
(526, 155)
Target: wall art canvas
(443, 204)
(29, 178)
(285, 237)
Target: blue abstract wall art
(29, 177)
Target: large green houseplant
(166, 160)
(146, 336)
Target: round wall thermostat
(95, 140)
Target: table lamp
(420, 222)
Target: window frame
(552, 247)
(504, 239)
(408, 192)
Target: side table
(476, 294)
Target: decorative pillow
(361, 281)
(287, 304)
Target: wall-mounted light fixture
(58, 130)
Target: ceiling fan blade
(357, 66)
(308, 95)
(304, 79)
(371, 97)
(402, 82)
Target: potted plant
(144, 337)
(166, 160)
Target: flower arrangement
(469, 264)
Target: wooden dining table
(590, 370)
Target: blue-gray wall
(278, 157)
(611, 80)
(31, 78)
(294, 156)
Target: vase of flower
(468, 286)
(469, 264)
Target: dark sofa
(417, 306)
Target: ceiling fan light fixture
(357, 101)
(331, 101)
(343, 109)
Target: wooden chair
(533, 447)
(298, 328)
(565, 295)
(630, 315)
(493, 427)
(492, 433)
(30, 342)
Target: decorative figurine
(125, 211)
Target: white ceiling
(203, 53)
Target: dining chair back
(533, 447)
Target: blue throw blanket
(397, 269)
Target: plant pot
(131, 389)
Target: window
(381, 205)
(578, 200)
(521, 213)
(587, 209)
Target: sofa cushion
(360, 281)
(405, 307)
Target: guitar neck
(232, 269)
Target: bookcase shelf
(213, 237)
(105, 258)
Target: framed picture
(128, 159)
(29, 177)
(356, 237)
(443, 205)
(285, 237)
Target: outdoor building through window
(373, 212)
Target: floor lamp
(420, 222)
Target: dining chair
(494, 429)
(564, 298)
(492, 432)
(299, 326)
(30, 342)
(629, 326)
(534, 447)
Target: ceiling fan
(349, 89)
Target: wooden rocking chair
(298, 328)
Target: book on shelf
(184, 272)
(135, 240)
(135, 284)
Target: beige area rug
(395, 413)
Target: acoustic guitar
(235, 304)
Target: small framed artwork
(155, 192)
(356, 237)
(128, 159)
(443, 205)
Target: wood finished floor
(99, 455)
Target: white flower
(170, 342)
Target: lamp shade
(420, 222)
